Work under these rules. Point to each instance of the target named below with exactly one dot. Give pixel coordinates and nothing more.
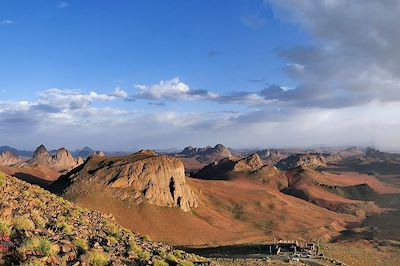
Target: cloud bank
(347, 93)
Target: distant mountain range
(15, 151)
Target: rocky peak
(147, 152)
(9, 158)
(222, 150)
(63, 154)
(250, 163)
(61, 161)
(40, 151)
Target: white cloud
(5, 22)
(355, 57)
(62, 4)
(172, 89)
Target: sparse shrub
(2, 179)
(111, 241)
(178, 253)
(160, 263)
(34, 263)
(146, 238)
(5, 228)
(74, 213)
(133, 246)
(163, 254)
(21, 223)
(171, 257)
(38, 245)
(185, 263)
(40, 221)
(82, 222)
(114, 230)
(61, 219)
(143, 255)
(66, 228)
(80, 244)
(97, 258)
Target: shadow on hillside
(383, 226)
(35, 180)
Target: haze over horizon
(164, 74)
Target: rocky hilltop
(308, 160)
(352, 151)
(9, 158)
(223, 168)
(39, 228)
(217, 152)
(140, 177)
(61, 161)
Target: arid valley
(345, 201)
(199, 133)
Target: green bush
(142, 255)
(2, 179)
(34, 263)
(40, 221)
(185, 263)
(111, 241)
(40, 245)
(146, 238)
(114, 230)
(21, 223)
(5, 228)
(66, 228)
(97, 258)
(160, 263)
(171, 257)
(80, 244)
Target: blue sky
(95, 45)
(160, 74)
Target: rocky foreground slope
(140, 177)
(39, 228)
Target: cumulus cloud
(355, 57)
(172, 89)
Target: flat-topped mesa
(308, 160)
(8, 158)
(140, 177)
